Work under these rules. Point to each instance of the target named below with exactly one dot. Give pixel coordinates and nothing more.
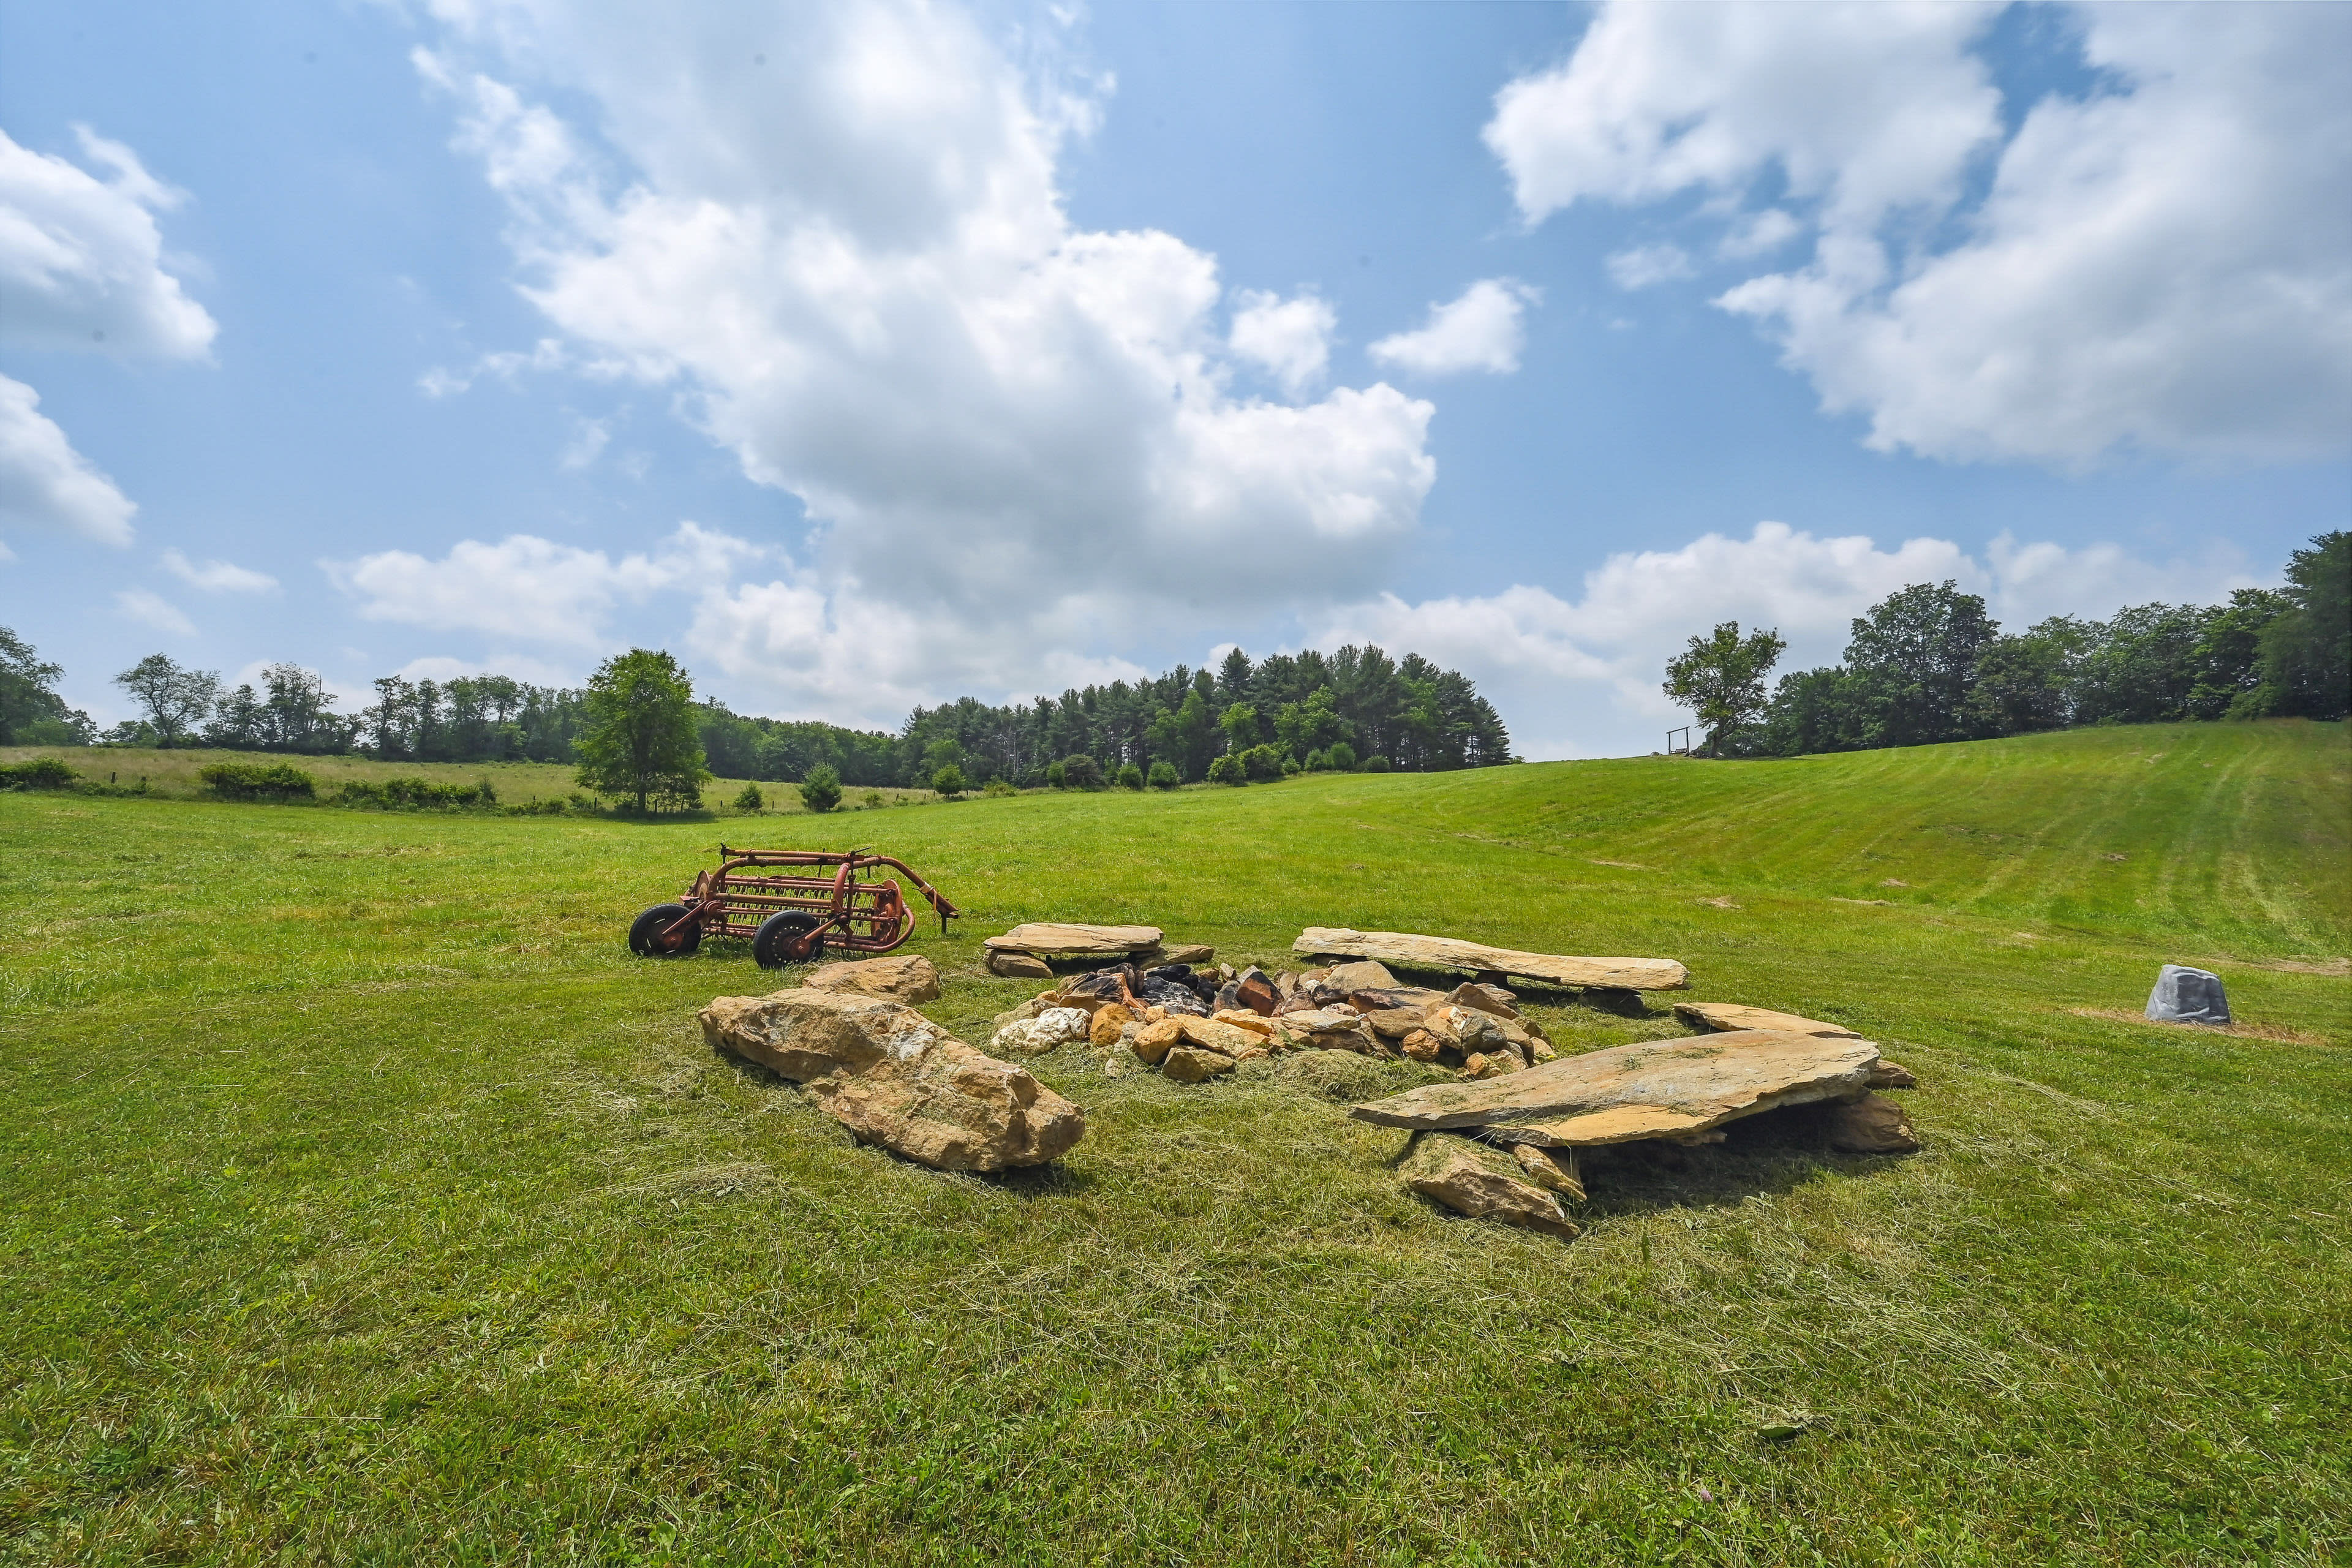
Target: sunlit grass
(364, 1201)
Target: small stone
(1186, 1065)
(1486, 998)
(1154, 1015)
(1153, 1041)
(1394, 1023)
(1483, 1182)
(906, 978)
(1208, 1035)
(1888, 1075)
(1241, 1018)
(1029, 1009)
(1254, 991)
(1554, 1170)
(1054, 1027)
(1018, 966)
(1364, 975)
(1421, 1045)
(1108, 1020)
(1871, 1125)
(1191, 953)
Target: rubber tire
(649, 925)
(768, 942)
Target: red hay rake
(792, 904)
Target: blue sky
(867, 353)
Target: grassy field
(365, 1202)
(172, 775)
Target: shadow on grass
(1771, 1154)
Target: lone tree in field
(176, 700)
(821, 789)
(640, 737)
(1721, 678)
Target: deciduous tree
(640, 739)
(1720, 677)
(175, 699)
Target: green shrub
(1340, 758)
(252, 781)
(1265, 762)
(751, 799)
(1227, 769)
(415, 795)
(949, 780)
(1000, 787)
(1129, 776)
(1163, 774)
(1057, 777)
(1082, 772)
(874, 798)
(821, 788)
(1314, 763)
(1376, 765)
(39, 773)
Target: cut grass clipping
(364, 1201)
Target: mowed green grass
(364, 1201)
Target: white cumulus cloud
(80, 268)
(525, 589)
(1291, 337)
(2163, 264)
(81, 259)
(1643, 265)
(1481, 331)
(44, 483)
(836, 235)
(1580, 676)
(153, 610)
(217, 576)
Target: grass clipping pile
(1503, 1140)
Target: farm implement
(793, 903)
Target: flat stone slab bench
(1051, 939)
(1726, 1015)
(1657, 1089)
(1447, 953)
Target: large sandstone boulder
(1051, 939)
(910, 978)
(1483, 1182)
(953, 1109)
(1446, 952)
(1653, 1090)
(894, 1078)
(804, 1034)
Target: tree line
(1356, 708)
(1927, 664)
(1287, 712)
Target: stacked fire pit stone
(1509, 1137)
(1194, 1023)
